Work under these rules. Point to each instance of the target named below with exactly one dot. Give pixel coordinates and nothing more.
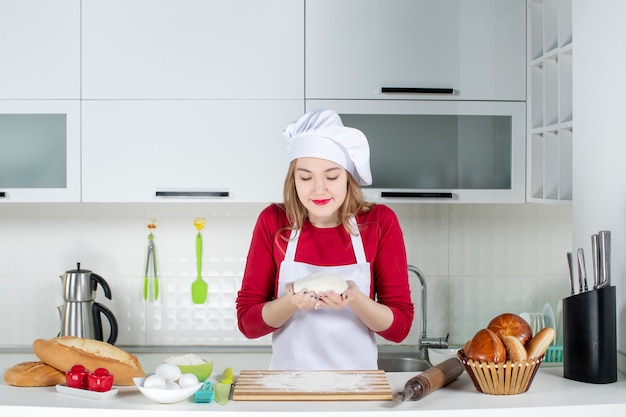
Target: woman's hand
(303, 300)
(338, 301)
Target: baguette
(33, 374)
(66, 351)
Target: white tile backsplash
(479, 261)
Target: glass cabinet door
(39, 151)
(434, 151)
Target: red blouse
(384, 250)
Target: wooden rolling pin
(430, 380)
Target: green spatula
(199, 288)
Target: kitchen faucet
(425, 342)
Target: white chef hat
(321, 134)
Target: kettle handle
(95, 279)
(97, 321)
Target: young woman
(324, 224)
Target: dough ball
(321, 282)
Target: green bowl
(202, 371)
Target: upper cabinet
(39, 49)
(550, 121)
(416, 49)
(440, 151)
(40, 151)
(196, 49)
(185, 150)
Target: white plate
(85, 393)
(525, 316)
(559, 323)
(548, 316)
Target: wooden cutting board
(311, 386)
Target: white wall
(599, 202)
(479, 261)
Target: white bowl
(166, 396)
(438, 355)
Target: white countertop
(550, 393)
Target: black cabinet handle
(410, 194)
(193, 194)
(2, 194)
(417, 90)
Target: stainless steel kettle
(80, 314)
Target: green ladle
(199, 288)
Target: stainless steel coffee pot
(80, 314)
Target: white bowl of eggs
(168, 384)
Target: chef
(325, 226)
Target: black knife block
(590, 336)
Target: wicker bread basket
(505, 378)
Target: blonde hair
(296, 212)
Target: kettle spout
(60, 309)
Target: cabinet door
(440, 151)
(477, 48)
(39, 49)
(39, 151)
(196, 49)
(147, 151)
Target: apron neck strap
(357, 243)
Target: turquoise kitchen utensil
(199, 287)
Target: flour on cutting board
(315, 382)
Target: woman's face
(322, 187)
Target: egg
(188, 381)
(172, 386)
(168, 371)
(154, 381)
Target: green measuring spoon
(199, 288)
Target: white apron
(324, 339)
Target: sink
(402, 363)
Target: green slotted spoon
(199, 288)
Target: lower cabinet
(187, 150)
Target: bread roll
(33, 374)
(66, 351)
(515, 351)
(540, 342)
(486, 346)
(509, 324)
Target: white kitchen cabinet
(196, 49)
(39, 151)
(185, 150)
(431, 151)
(550, 121)
(355, 48)
(39, 49)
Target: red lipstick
(321, 202)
